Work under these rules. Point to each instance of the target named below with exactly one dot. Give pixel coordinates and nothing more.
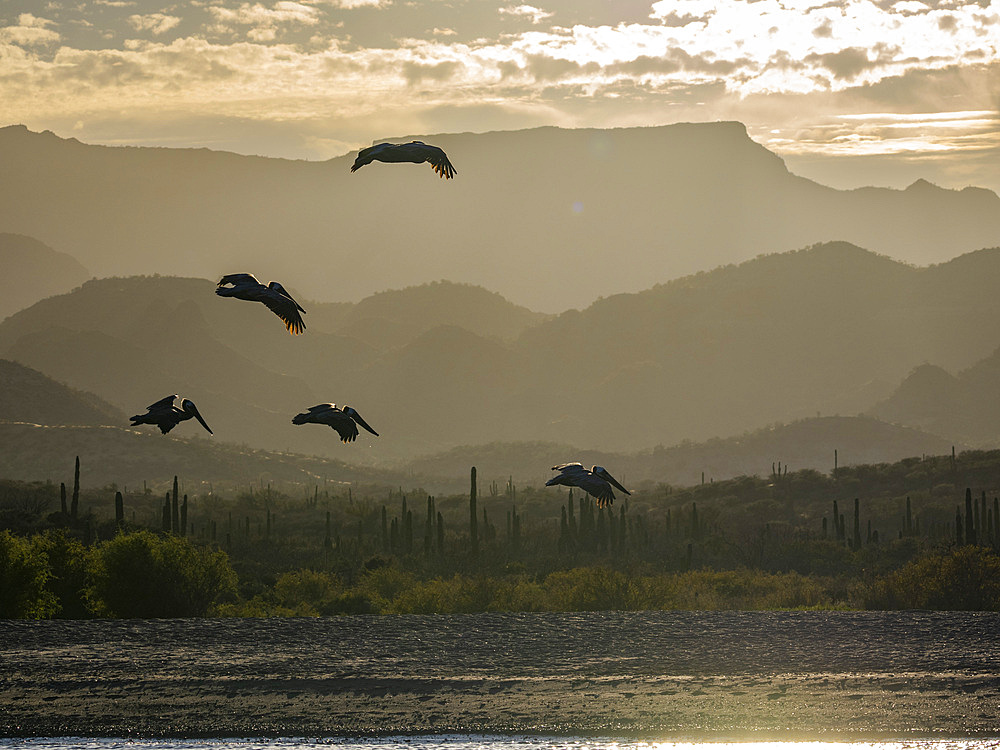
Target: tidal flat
(657, 676)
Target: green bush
(967, 578)
(24, 572)
(68, 561)
(145, 575)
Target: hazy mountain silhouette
(27, 395)
(964, 405)
(550, 218)
(134, 340)
(805, 444)
(33, 271)
(830, 329)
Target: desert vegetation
(921, 533)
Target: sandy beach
(649, 675)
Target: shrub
(68, 561)
(967, 578)
(144, 575)
(24, 571)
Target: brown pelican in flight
(345, 421)
(166, 416)
(596, 481)
(278, 301)
(414, 151)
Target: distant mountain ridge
(830, 329)
(32, 271)
(550, 218)
(27, 395)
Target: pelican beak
(357, 418)
(197, 415)
(612, 480)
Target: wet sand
(650, 675)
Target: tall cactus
(970, 523)
(184, 517)
(74, 508)
(119, 510)
(175, 511)
(473, 516)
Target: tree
(144, 575)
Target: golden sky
(849, 92)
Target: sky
(848, 92)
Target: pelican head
(187, 406)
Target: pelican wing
(164, 403)
(317, 414)
(347, 430)
(439, 161)
(570, 467)
(238, 279)
(285, 308)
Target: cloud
(260, 21)
(533, 14)
(30, 31)
(156, 23)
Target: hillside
(806, 444)
(550, 218)
(33, 271)
(114, 455)
(826, 330)
(963, 405)
(27, 395)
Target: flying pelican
(278, 301)
(166, 416)
(414, 151)
(596, 481)
(342, 420)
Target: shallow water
(458, 681)
(450, 742)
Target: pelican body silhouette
(280, 302)
(415, 152)
(345, 421)
(166, 416)
(596, 481)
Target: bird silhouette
(596, 481)
(166, 416)
(345, 421)
(416, 152)
(245, 286)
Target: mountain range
(826, 330)
(550, 218)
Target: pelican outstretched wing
(238, 278)
(164, 403)
(286, 309)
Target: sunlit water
(479, 743)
